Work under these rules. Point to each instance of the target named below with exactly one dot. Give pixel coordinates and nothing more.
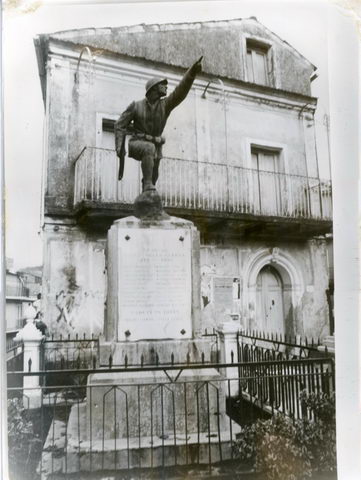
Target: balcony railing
(18, 290)
(204, 186)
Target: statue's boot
(155, 172)
(147, 170)
(148, 186)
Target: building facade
(240, 161)
(22, 286)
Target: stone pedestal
(145, 404)
(151, 418)
(31, 338)
(141, 420)
(228, 348)
(153, 280)
(163, 352)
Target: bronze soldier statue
(145, 121)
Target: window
(129, 187)
(108, 133)
(267, 160)
(266, 164)
(257, 62)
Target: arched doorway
(270, 310)
(287, 274)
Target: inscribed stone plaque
(154, 284)
(223, 291)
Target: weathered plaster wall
(219, 42)
(309, 311)
(74, 281)
(217, 129)
(59, 104)
(286, 60)
(74, 289)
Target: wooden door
(270, 303)
(267, 187)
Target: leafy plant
(292, 451)
(272, 447)
(319, 435)
(22, 440)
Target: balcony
(210, 194)
(17, 290)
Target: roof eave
(41, 43)
(252, 86)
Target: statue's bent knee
(149, 149)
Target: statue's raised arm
(145, 121)
(182, 89)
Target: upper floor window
(268, 184)
(266, 159)
(107, 135)
(258, 62)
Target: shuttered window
(268, 180)
(257, 63)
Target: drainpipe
(308, 181)
(326, 122)
(91, 59)
(318, 169)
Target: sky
(302, 24)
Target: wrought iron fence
(261, 346)
(165, 415)
(207, 186)
(80, 352)
(69, 352)
(15, 361)
(275, 386)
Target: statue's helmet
(153, 82)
